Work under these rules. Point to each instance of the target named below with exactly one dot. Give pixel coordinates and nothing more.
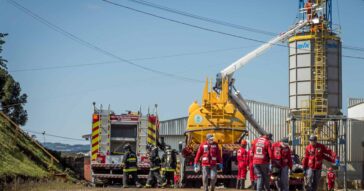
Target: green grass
(19, 156)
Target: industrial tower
(315, 82)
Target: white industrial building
(355, 143)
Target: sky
(60, 99)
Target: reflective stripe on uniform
(168, 169)
(130, 169)
(155, 168)
(131, 159)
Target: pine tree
(12, 101)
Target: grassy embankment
(21, 159)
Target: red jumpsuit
(281, 155)
(308, 7)
(331, 180)
(243, 162)
(315, 154)
(262, 151)
(251, 166)
(210, 153)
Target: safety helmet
(127, 146)
(167, 147)
(209, 136)
(313, 138)
(243, 142)
(149, 147)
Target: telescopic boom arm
(227, 73)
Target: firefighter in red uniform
(262, 151)
(251, 167)
(331, 176)
(243, 162)
(282, 161)
(312, 163)
(210, 155)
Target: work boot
(138, 185)
(162, 185)
(212, 188)
(147, 186)
(237, 184)
(251, 185)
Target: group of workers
(161, 169)
(264, 159)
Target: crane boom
(229, 71)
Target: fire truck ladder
(104, 132)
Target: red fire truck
(110, 132)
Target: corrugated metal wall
(174, 140)
(271, 117)
(355, 150)
(173, 126)
(355, 101)
(355, 140)
(173, 131)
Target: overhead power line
(134, 59)
(215, 21)
(206, 19)
(353, 57)
(203, 28)
(187, 24)
(147, 58)
(224, 23)
(92, 46)
(52, 135)
(89, 45)
(63, 66)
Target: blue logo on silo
(305, 45)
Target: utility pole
(43, 137)
(345, 153)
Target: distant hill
(67, 147)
